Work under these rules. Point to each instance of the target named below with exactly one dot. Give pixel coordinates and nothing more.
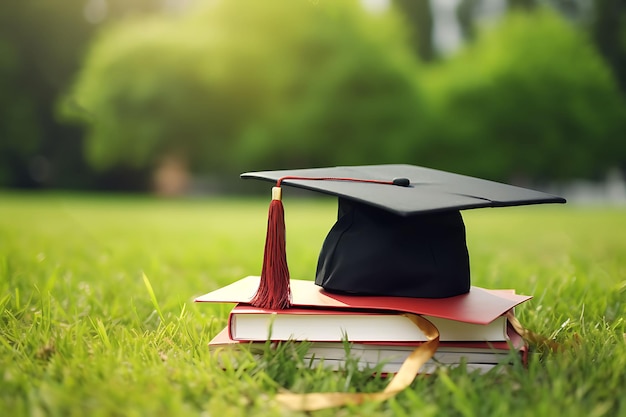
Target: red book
(479, 306)
(480, 356)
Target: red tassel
(274, 291)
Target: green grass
(82, 332)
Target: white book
(248, 323)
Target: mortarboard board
(399, 230)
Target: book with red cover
(479, 306)
(315, 324)
(481, 356)
(514, 342)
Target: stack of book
(473, 327)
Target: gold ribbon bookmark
(529, 336)
(401, 380)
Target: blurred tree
(41, 46)
(608, 27)
(530, 99)
(605, 20)
(419, 19)
(240, 84)
(40, 43)
(19, 137)
(522, 4)
(466, 15)
(346, 94)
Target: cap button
(402, 182)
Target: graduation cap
(399, 230)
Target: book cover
(479, 306)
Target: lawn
(97, 316)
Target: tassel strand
(274, 292)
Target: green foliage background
(97, 93)
(296, 84)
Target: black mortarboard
(399, 230)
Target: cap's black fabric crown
(370, 251)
